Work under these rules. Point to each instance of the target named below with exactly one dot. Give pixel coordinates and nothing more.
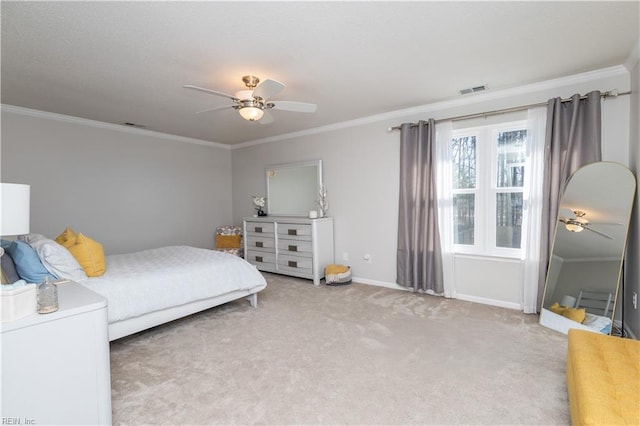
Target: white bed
(151, 287)
(598, 306)
(592, 322)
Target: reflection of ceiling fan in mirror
(253, 104)
(575, 221)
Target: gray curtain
(419, 260)
(573, 140)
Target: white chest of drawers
(56, 367)
(293, 246)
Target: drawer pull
(293, 264)
(258, 228)
(293, 232)
(259, 244)
(293, 248)
(259, 259)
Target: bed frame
(559, 323)
(130, 326)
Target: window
(488, 188)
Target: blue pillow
(9, 268)
(28, 263)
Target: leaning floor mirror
(585, 267)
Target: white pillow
(32, 238)
(58, 260)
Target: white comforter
(151, 280)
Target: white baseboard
(490, 302)
(393, 286)
(467, 298)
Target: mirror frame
(558, 322)
(286, 166)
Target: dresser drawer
(295, 247)
(261, 258)
(260, 227)
(293, 230)
(261, 242)
(298, 264)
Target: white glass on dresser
(295, 246)
(55, 367)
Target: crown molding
(467, 100)
(633, 58)
(593, 259)
(107, 126)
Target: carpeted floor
(355, 354)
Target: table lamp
(568, 301)
(14, 211)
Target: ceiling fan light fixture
(251, 113)
(573, 227)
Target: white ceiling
(120, 62)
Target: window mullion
(485, 196)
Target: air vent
(137, 126)
(473, 89)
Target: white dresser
(294, 246)
(55, 367)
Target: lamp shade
(14, 209)
(572, 227)
(251, 113)
(568, 301)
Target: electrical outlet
(367, 258)
(634, 299)
(345, 256)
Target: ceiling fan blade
(212, 92)
(606, 223)
(294, 106)
(266, 118)
(214, 108)
(567, 213)
(599, 233)
(267, 89)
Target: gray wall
(632, 265)
(361, 166)
(127, 189)
(592, 275)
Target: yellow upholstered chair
(229, 239)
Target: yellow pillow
(67, 238)
(575, 314)
(557, 309)
(228, 241)
(90, 255)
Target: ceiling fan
(253, 104)
(575, 221)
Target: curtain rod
(610, 94)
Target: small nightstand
(55, 367)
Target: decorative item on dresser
(296, 246)
(259, 202)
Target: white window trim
(486, 191)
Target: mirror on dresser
(292, 188)
(585, 267)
